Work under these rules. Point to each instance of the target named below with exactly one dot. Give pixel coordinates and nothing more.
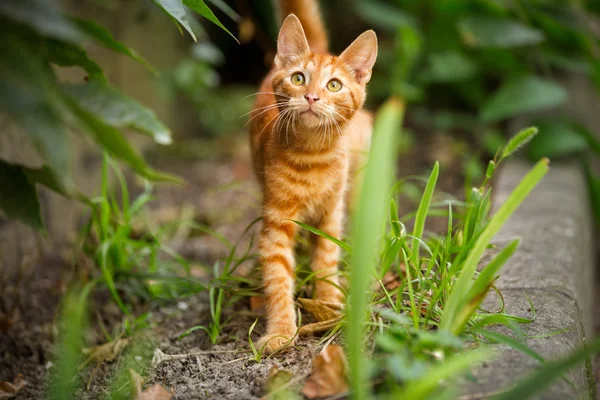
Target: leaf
(113, 141)
(548, 373)
(278, 386)
(328, 375)
(522, 95)
(155, 392)
(224, 7)
(175, 9)
(9, 390)
(384, 16)
(321, 310)
(594, 188)
(201, 8)
(319, 327)
(449, 66)
(491, 32)
(452, 367)
(19, 199)
(118, 110)
(556, 139)
(67, 54)
(106, 352)
(28, 94)
(43, 16)
(103, 37)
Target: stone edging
(554, 268)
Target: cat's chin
(310, 120)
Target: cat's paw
(272, 342)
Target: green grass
(417, 338)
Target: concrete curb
(553, 267)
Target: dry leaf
(319, 327)
(328, 376)
(106, 352)
(321, 310)
(155, 392)
(391, 281)
(9, 390)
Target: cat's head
(318, 90)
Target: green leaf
(175, 9)
(367, 226)
(28, 94)
(384, 16)
(556, 139)
(201, 8)
(452, 367)
(19, 198)
(522, 95)
(449, 66)
(224, 7)
(115, 143)
(118, 110)
(548, 373)
(490, 32)
(66, 54)
(594, 187)
(43, 16)
(103, 37)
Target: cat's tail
(309, 15)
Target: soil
(224, 196)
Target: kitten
(307, 134)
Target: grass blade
(547, 374)
(462, 285)
(423, 211)
(450, 368)
(367, 223)
(318, 232)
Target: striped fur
(303, 154)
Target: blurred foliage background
(468, 69)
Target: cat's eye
(298, 79)
(334, 85)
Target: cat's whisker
(268, 123)
(260, 113)
(274, 93)
(277, 104)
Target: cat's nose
(311, 98)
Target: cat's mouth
(309, 111)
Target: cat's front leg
(326, 254)
(276, 248)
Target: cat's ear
(360, 56)
(291, 42)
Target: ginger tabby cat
(308, 135)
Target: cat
(308, 136)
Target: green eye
(334, 85)
(298, 79)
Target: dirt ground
(223, 193)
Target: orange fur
(306, 142)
